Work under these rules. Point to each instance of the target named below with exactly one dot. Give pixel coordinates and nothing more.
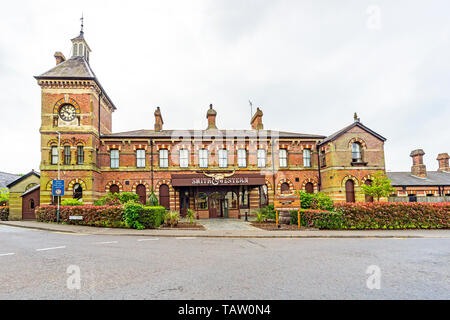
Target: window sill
(358, 164)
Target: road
(34, 265)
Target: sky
(309, 65)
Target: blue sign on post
(58, 187)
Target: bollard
(246, 216)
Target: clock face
(67, 112)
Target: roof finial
(82, 23)
(356, 117)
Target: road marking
(107, 242)
(185, 238)
(153, 239)
(70, 233)
(54, 248)
(6, 254)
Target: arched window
(232, 199)
(369, 198)
(142, 193)
(263, 196)
(77, 191)
(306, 158)
(75, 49)
(164, 199)
(350, 191)
(284, 187)
(114, 188)
(356, 152)
(309, 187)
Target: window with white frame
(203, 158)
(242, 158)
(283, 158)
(184, 158)
(261, 158)
(163, 158)
(54, 155)
(140, 158)
(223, 158)
(114, 159)
(356, 152)
(306, 158)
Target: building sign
(289, 202)
(58, 188)
(197, 180)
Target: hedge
(394, 215)
(138, 216)
(99, 216)
(318, 219)
(4, 213)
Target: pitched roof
(434, 178)
(73, 68)
(206, 133)
(32, 172)
(347, 128)
(31, 190)
(7, 178)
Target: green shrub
(153, 200)
(190, 215)
(4, 213)
(114, 199)
(171, 218)
(316, 201)
(268, 212)
(261, 216)
(92, 215)
(71, 202)
(140, 217)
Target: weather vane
(82, 21)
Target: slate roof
(347, 128)
(434, 178)
(74, 68)
(205, 133)
(21, 178)
(7, 178)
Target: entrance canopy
(217, 179)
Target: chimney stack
(59, 57)
(418, 168)
(211, 116)
(443, 162)
(158, 120)
(256, 121)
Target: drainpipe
(99, 102)
(151, 159)
(318, 167)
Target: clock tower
(75, 112)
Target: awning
(217, 179)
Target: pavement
(220, 228)
(38, 264)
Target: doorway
(184, 201)
(215, 205)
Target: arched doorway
(164, 199)
(142, 193)
(350, 191)
(309, 187)
(77, 191)
(114, 188)
(368, 198)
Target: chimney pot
(59, 57)
(443, 162)
(418, 168)
(211, 116)
(158, 120)
(256, 121)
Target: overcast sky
(308, 64)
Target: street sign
(75, 217)
(58, 188)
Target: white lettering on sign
(75, 217)
(215, 182)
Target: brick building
(216, 172)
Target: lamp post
(59, 197)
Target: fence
(419, 199)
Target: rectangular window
(283, 158)
(114, 159)
(140, 158)
(66, 155)
(163, 158)
(323, 159)
(54, 155)
(223, 158)
(261, 158)
(184, 158)
(306, 158)
(203, 158)
(242, 158)
(80, 155)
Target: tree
(380, 186)
(4, 195)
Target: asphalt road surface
(49, 265)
